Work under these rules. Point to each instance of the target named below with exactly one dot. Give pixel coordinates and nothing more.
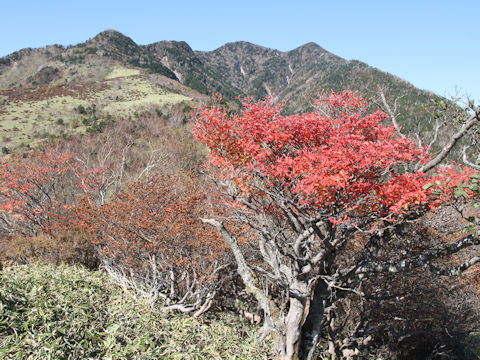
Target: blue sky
(433, 44)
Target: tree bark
(293, 321)
(313, 323)
(304, 321)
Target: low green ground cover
(68, 312)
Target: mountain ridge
(126, 50)
(235, 69)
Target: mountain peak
(240, 45)
(114, 38)
(312, 52)
(171, 44)
(310, 47)
(243, 48)
(109, 33)
(115, 44)
(311, 44)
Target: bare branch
(457, 270)
(424, 259)
(438, 125)
(206, 305)
(472, 120)
(243, 269)
(466, 161)
(390, 112)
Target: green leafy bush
(69, 312)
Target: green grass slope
(29, 115)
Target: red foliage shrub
(150, 237)
(307, 185)
(36, 190)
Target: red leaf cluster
(339, 158)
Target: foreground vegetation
(69, 312)
(129, 197)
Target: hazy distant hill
(114, 72)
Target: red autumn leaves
(339, 156)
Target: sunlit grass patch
(159, 100)
(119, 71)
(25, 119)
(30, 120)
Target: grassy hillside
(29, 115)
(63, 312)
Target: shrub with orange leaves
(36, 191)
(150, 238)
